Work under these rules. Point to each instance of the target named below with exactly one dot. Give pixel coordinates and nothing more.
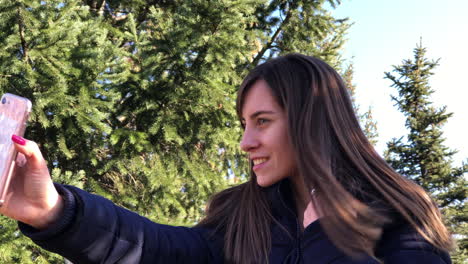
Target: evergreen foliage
(57, 55)
(422, 155)
(368, 125)
(302, 26)
(134, 100)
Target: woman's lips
(259, 163)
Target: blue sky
(385, 33)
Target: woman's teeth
(258, 161)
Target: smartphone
(14, 113)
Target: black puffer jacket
(94, 230)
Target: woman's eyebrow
(261, 112)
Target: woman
(318, 192)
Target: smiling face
(265, 136)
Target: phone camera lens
(4, 100)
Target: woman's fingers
(30, 151)
(34, 199)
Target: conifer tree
(174, 129)
(422, 155)
(369, 126)
(175, 138)
(303, 26)
(55, 55)
(134, 100)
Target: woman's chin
(264, 183)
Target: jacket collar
(280, 196)
(283, 209)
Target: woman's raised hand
(32, 197)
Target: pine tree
(175, 137)
(174, 129)
(422, 155)
(369, 126)
(134, 100)
(303, 26)
(55, 55)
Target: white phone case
(14, 113)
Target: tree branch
(272, 39)
(24, 45)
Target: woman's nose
(248, 141)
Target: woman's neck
(305, 209)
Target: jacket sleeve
(94, 230)
(402, 244)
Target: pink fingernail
(18, 140)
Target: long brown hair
(355, 189)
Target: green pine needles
(134, 100)
(422, 155)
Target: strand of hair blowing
(333, 152)
(242, 213)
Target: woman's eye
(262, 121)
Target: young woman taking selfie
(318, 192)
